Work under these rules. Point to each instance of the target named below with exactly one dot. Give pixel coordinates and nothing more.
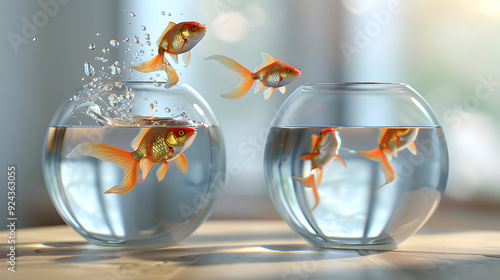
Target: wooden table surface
(264, 249)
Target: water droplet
(177, 107)
(98, 34)
(112, 97)
(167, 110)
(151, 106)
(35, 39)
(147, 36)
(132, 14)
(169, 14)
(115, 69)
(156, 84)
(126, 39)
(129, 22)
(92, 47)
(88, 69)
(118, 85)
(105, 50)
(136, 39)
(143, 28)
(148, 43)
(162, 13)
(129, 95)
(76, 97)
(114, 43)
(157, 74)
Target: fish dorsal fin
(266, 60)
(169, 26)
(314, 138)
(181, 163)
(137, 140)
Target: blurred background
(449, 51)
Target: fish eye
(290, 71)
(194, 28)
(181, 133)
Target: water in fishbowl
(372, 192)
(166, 210)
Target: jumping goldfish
(176, 39)
(270, 73)
(324, 150)
(391, 140)
(152, 145)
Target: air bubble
(114, 43)
(162, 13)
(143, 28)
(129, 95)
(169, 14)
(148, 43)
(98, 34)
(132, 14)
(115, 69)
(147, 36)
(126, 39)
(92, 47)
(34, 39)
(167, 110)
(88, 69)
(136, 39)
(105, 50)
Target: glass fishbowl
(134, 163)
(355, 165)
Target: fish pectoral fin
(137, 140)
(309, 156)
(169, 26)
(187, 58)
(174, 58)
(160, 172)
(341, 160)
(413, 148)
(173, 78)
(181, 163)
(146, 165)
(154, 64)
(388, 171)
(314, 139)
(259, 86)
(282, 89)
(268, 92)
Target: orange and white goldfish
(270, 73)
(391, 141)
(176, 39)
(324, 150)
(152, 145)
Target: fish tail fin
(121, 158)
(378, 155)
(154, 64)
(247, 76)
(173, 78)
(310, 182)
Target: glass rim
(388, 84)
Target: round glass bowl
(355, 165)
(153, 212)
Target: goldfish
(324, 150)
(152, 145)
(391, 141)
(176, 39)
(270, 73)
